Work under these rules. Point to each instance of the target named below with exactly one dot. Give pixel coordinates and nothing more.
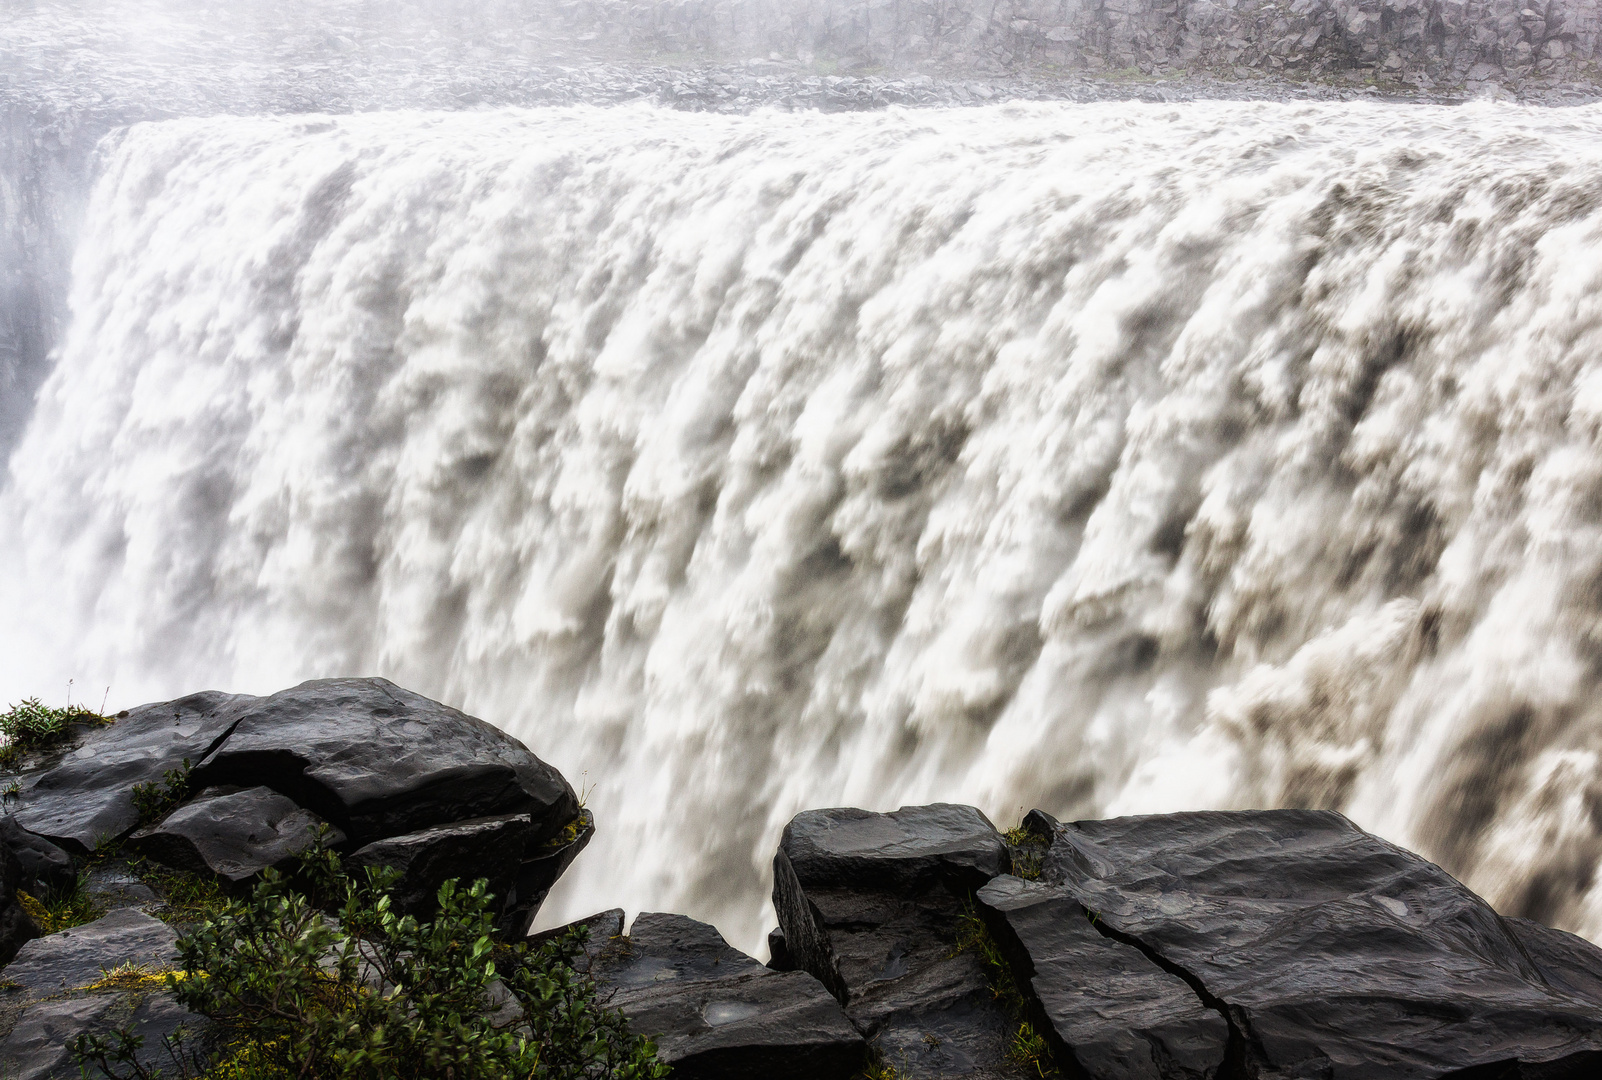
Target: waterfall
(1102, 458)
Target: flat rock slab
(377, 760)
(490, 848)
(88, 796)
(873, 906)
(906, 849)
(233, 833)
(76, 958)
(1104, 1004)
(1335, 953)
(36, 1048)
(717, 1014)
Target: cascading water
(1102, 458)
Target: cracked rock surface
(1332, 952)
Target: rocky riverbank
(1283, 943)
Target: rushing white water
(1101, 458)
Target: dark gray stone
(490, 848)
(1104, 1005)
(36, 1048)
(1334, 953)
(377, 761)
(88, 797)
(872, 905)
(233, 833)
(717, 1014)
(76, 958)
(544, 864)
(44, 867)
(779, 958)
(15, 926)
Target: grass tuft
(55, 912)
(1028, 852)
(189, 897)
(1028, 1047)
(32, 725)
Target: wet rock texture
(718, 1014)
(1261, 944)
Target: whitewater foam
(1108, 458)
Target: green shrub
(369, 995)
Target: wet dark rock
(75, 958)
(232, 833)
(44, 867)
(490, 848)
(873, 905)
(779, 958)
(1104, 1005)
(1333, 952)
(15, 927)
(36, 1048)
(542, 865)
(378, 761)
(717, 1014)
(88, 797)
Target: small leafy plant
(157, 799)
(1028, 852)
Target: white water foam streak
(1108, 459)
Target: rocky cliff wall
(1418, 41)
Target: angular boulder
(377, 761)
(717, 1014)
(873, 905)
(44, 867)
(88, 797)
(73, 959)
(1104, 1005)
(1332, 952)
(490, 847)
(542, 864)
(233, 833)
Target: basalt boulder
(377, 761)
(874, 906)
(233, 833)
(716, 1013)
(1332, 952)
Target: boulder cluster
(922, 943)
